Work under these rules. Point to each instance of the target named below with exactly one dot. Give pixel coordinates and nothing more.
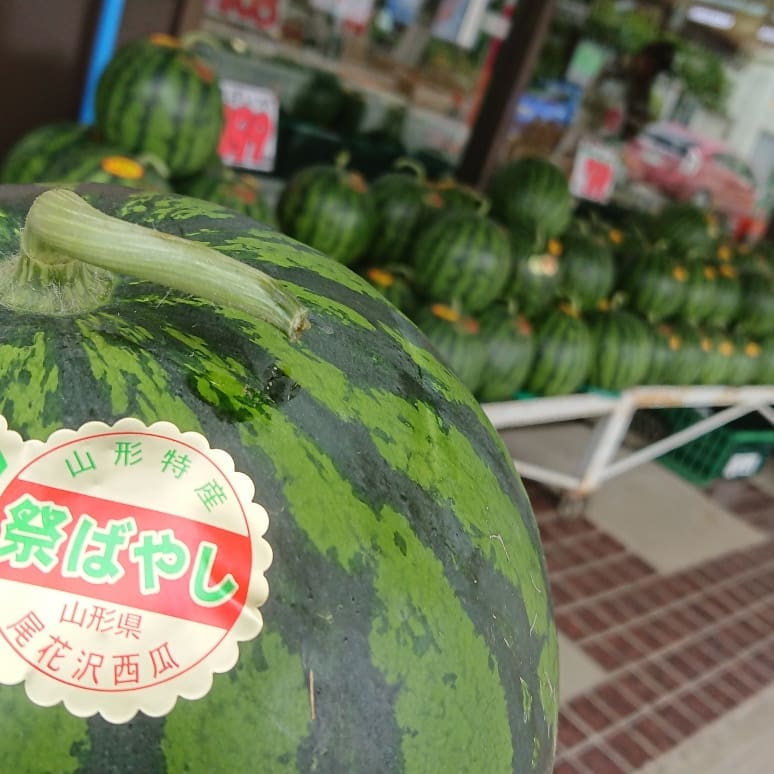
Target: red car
(688, 167)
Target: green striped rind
(237, 191)
(689, 231)
(536, 273)
(463, 257)
(457, 196)
(407, 573)
(91, 164)
(746, 360)
(394, 285)
(563, 355)
(623, 347)
(320, 207)
(655, 285)
(458, 343)
(28, 159)
(510, 346)
(765, 373)
(718, 349)
(402, 204)
(677, 355)
(532, 190)
(728, 294)
(757, 314)
(700, 292)
(588, 272)
(156, 98)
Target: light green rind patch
(286, 252)
(402, 638)
(475, 696)
(134, 377)
(157, 209)
(462, 478)
(36, 383)
(39, 740)
(548, 668)
(217, 734)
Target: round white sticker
(132, 563)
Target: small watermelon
(719, 349)
(536, 270)
(155, 97)
(588, 270)
(700, 292)
(765, 373)
(457, 339)
(677, 355)
(403, 202)
(408, 625)
(329, 208)
(563, 355)
(655, 284)
(393, 283)
(689, 231)
(509, 343)
(29, 158)
(463, 257)
(757, 313)
(95, 164)
(239, 191)
(458, 196)
(623, 347)
(747, 360)
(728, 294)
(534, 190)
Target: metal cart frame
(614, 413)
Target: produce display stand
(613, 413)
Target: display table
(613, 412)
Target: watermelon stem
(62, 229)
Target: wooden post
(510, 75)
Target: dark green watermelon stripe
(200, 349)
(142, 120)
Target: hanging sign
(249, 136)
(594, 172)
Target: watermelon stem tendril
(62, 228)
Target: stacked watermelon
(159, 116)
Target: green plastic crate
(737, 450)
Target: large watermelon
(329, 208)
(533, 190)
(29, 158)
(408, 623)
(155, 97)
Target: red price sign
(249, 136)
(261, 14)
(594, 172)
